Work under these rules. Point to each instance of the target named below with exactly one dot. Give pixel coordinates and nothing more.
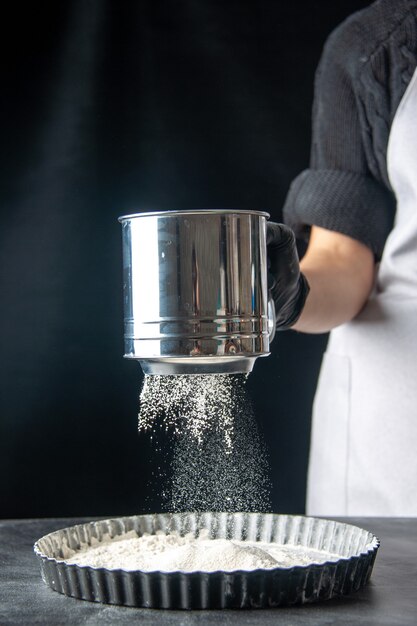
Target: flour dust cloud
(219, 459)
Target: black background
(113, 107)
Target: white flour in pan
(169, 553)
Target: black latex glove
(287, 285)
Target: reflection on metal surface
(195, 290)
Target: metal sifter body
(195, 291)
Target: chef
(357, 204)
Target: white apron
(363, 458)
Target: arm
(340, 272)
(344, 190)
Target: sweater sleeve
(338, 192)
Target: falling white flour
(191, 404)
(219, 461)
(169, 553)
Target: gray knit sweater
(364, 71)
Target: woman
(358, 205)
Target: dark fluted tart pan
(260, 588)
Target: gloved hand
(287, 285)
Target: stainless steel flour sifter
(195, 291)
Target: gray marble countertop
(390, 599)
